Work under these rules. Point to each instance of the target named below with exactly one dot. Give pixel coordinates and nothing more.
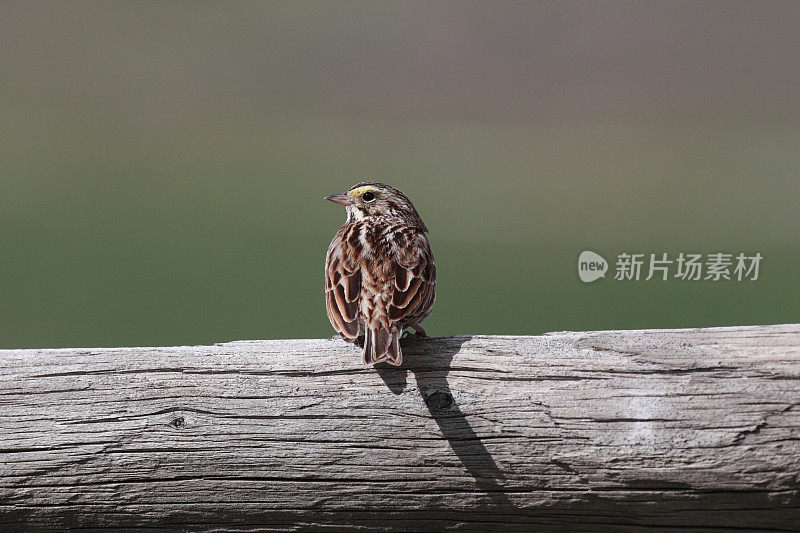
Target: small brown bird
(379, 273)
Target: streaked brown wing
(342, 289)
(414, 284)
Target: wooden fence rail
(691, 428)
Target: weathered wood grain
(594, 430)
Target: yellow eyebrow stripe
(361, 190)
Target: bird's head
(372, 200)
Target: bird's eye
(368, 196)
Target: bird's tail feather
(382, 345)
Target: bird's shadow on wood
(430, 361)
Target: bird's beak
(341, 199)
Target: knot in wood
(439, 400)
(178, 422)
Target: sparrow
(380, 277)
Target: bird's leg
(358, 341)
(418, 331)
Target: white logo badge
(591, 266)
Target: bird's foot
(418, 332)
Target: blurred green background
(164, 163)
